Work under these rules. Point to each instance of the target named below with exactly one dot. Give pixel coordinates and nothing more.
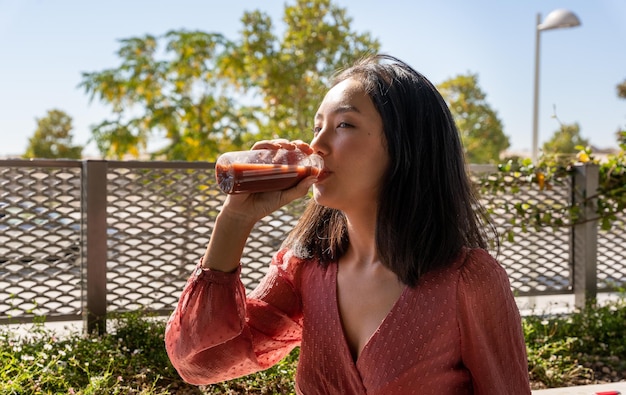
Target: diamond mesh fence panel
(536, 260)
(612, 256)
(160, 220)
(159, 217)
(40, 236)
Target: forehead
(346, 95)
(346, 89)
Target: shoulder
(482, 276)
(479, 263)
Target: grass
(583, 347)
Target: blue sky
(46, 45)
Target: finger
(304, 147)
(264, 144)
(273, 144)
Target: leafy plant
(577, 348)
(583, 347)
(514, 175)
(129, 360)
(554, 365)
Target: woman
(384, 283)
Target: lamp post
(556, 19)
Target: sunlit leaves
(175, 92)
(566, 140)
(53, 138)
(291, 73)
(514, 175)
(480, 128)
(202, 93)
(621, 90)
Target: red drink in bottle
(264, 170)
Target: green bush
(583, 347)
(129, 360)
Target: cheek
(381, 177)
(380, 180)
(379, 164)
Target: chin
(322, 198)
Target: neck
(362, 236)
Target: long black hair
(427, 210)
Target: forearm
(216, 334)
(210, 316)
(227, 242)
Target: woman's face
(349, 136)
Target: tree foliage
(565, 140)
(200, 93)
(53, 138)
(176, 93)
(608, 202)
(621, 93)
(291, 73)
(621, 90)
(481, 129)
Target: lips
(323, 175)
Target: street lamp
(556, 19)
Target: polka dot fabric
(457, 332)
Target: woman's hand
(241, 211)
(284, 144)
(250, 208)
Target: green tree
(291, 73)
(202, 93)
(565, 140)
(621, 90)
(53, 138)
(621, 134)
(176, 93)
(478, 124)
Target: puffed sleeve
(492, 340)
(217, 333)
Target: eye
(316, 130)
(344, 125)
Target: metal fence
(81, 239)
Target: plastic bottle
(264, 170)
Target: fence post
(94, 210)
(585, 234)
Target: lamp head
(559, 18)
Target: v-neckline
(381, 327)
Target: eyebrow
(342, 109)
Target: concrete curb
(605, 389)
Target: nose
(320, 143)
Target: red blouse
(457, 332)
